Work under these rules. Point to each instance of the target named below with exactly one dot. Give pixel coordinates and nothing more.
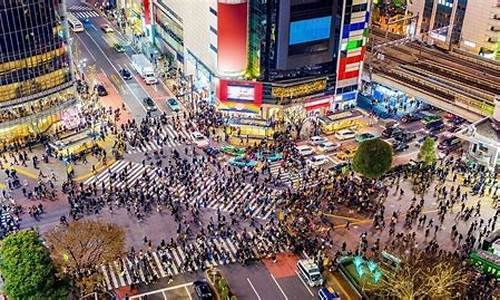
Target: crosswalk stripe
(160, 267)
(106, 278)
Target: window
(213, 30)
(213, 48)
(213, 11)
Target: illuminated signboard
(300, 89)
(240, 92)
(310, 30)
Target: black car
(391, 132)
(406, 137)
(202, 290)
(125, 73)
(211, 151)
(150, 104)
(434, 127)
(101, 90)
(456, 120)
(411, 118)
(400, 147)
(450, 144)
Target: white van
(305, 150)
(309, 272)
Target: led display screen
(239, 92)
(310, 30)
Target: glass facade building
(35, 66)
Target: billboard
(231, 36)
(310, 30)
(239, 96)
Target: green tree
(373, 158)
(28, 271)
(427, 153)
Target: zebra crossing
(173, 260)
(83, 12)
(286, 176)
(242, 198)
(166, 136)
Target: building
(483, 138)
(35, 68)
(481, 28)
(256, 58)
(475, 24)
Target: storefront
(255, 128)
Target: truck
(145, 68)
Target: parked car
(456, 120)
(328, 294)
(203, 291)
(345, 134)
(305, 150)
(119, 47)
(149, 103)
(399, 147)
(242, 162)
(232, 150)
(173, 104)
(269, 156)
(449, 145)
(316, 140)
(430, 119)
(365, 137)
(434, 127)
(408, 118)
(327, 147)
(106, 28)
(126, 74)
(390, 132)
(101, 90)
(317, 160)
(200, 140)
(405, 137)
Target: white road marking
(188, 293)
(112, 65)
(307, 287)
(164, 296)
(253, 288)
(184, 285)
(85, 45)
(279, 287)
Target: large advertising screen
(240, 92)
(310, 30)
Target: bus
(486, 262)
(74, 24)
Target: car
(149, 103)
(449, 144)
(365, 137)
(202, 290)
(317, 160)
(341, 167)
(232, 150)
(86, 21)
(316, 140)
(390, 132)
(328, 294)
(405, 137)
(305, 150)
(242, 162)
(327, 147)
(430, 119)
(173, 104)
(200, 140)
(269, 156)
(346, 152)
(408, 118)
(456, 120)
(126, 74)
(119, 47)
(101, 90)
(212, 151)
(434, 127)
(107, 29)
(345, 134)
(399, 147)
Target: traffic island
(219, 285)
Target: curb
(98, 170)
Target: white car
(345, 134)
(305, 150)
(316, 140)
(200, 140)
(317, 160)
(106, 28)
(327, 147)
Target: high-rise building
(258, 57)
(35, 67)
(474, 24)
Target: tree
(422, 275)
(28, 271)
(81, 247)
(373, 158)
(295, 117)
(427, 153)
